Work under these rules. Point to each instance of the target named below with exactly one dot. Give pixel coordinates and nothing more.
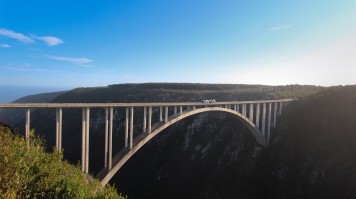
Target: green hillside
(29, 172)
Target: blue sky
(67, 44)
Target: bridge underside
(126, 153)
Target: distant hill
(13, 116)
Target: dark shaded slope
(314, 154)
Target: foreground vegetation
(29, 172)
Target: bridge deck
(153, 104)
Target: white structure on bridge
(258, 116)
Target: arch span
(125, 154)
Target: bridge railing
(253, 111)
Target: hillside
(29, 172)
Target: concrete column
(149, 120)
(110, 137)
(175, 110)
(59, 129)
(166, 114)
(106, 152)
(180, 110)
(87, 140)
(275, 115)
(258, 116)
(127, 128)
(244, 109)
(193, 107)
(269, 121)
(160, 114)
(264, 119)
(235, 107)
(280, 108)
(144, 119)
(238, 107)
(83, 138)
(251, 112)
(131, 126)
(27, 130)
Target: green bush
(29, 172)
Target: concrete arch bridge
(258, 116)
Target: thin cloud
(49, 40)
(71, 59)
(22, 69)
(277, 28)
(15, 35)
(5, 46)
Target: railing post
(144, 119)
(131, 126)
(126, 127)
(166, 114)
(27, 128)
(149, 120)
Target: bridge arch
(125, 154)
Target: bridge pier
(280, 108)
(27, 126)
(144, 119)
(160, 113)
(251, 112)
(275, 115)
(269, 122)
(263, 119)
(258, 116)
(244, 110)
(131, 126)
(149, 120)
(59, 129)
(127, 127)
(166, 114)
(85, 139)
(180, 110)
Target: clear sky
(67, 44)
